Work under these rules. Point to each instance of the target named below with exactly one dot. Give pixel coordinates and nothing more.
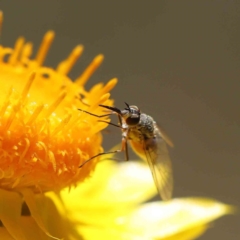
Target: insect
(148, 140)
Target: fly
(148, 140)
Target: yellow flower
(43, 137)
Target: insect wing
(160, 164)
(165, 137)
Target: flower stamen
(42, 146)
(62, 125)
(104, 98)
(10, 118)
(28, 86)
(109, 86)
(45, 45)
(65, 66)
(26, 52)
(55, 104)
(52, 160)
(35, 114)
(13, 59)
(26, 147)
(92, 67)
(6, 102)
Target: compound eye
(132, 121)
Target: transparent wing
(165, 137)
(160, 164)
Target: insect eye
(132, 121)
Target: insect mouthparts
(114, 109)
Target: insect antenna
(128, 107)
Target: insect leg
(100, 154)
(123, 148)
(126, 151)
(119, 119)
(115, 125)
(124, 143)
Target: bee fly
(147, 140)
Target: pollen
(44, 138)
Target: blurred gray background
(177, 60)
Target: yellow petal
(32, 230)
(10, 213)
(56, 221)
(114, 187)
(188, 234)
(112, 183)
(34, 208)
(4, 234)
(179, 217)
(92, 233)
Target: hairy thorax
(143, 130)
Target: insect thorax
(143, 130)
